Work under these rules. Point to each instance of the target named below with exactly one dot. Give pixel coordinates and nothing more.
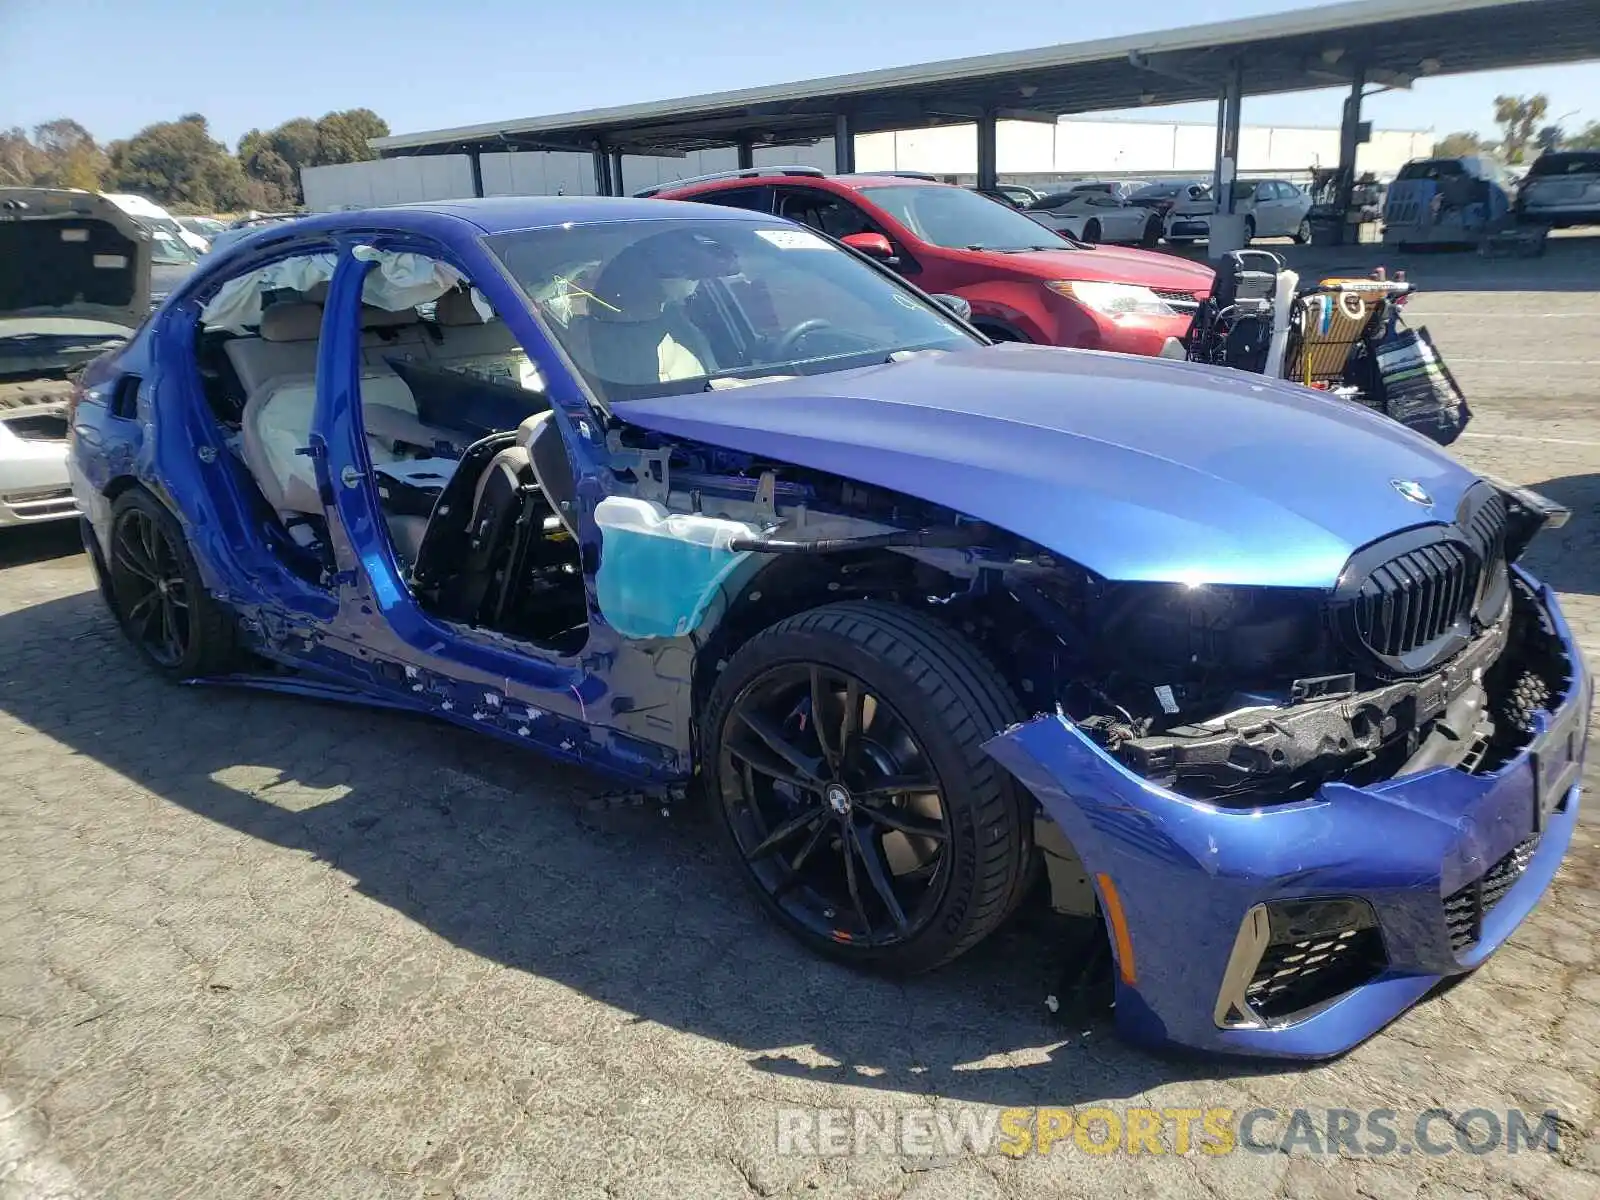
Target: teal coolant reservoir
(659, 570)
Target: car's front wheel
(844, 753)
(1091, 232)
(157, 594)
(1152, 232)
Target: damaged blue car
(1247, 677)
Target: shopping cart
(1342, 335)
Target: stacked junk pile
(1345, 336)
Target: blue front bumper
(1187, 873)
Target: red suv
(1025, 283)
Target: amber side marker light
(1119, 928)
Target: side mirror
(955, 304)
(873, 244)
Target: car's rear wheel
(1249, 230)
(157, 593)
(1091, 231)
(1302, 235)
(844, 752)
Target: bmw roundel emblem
(1412, 491)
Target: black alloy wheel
(151, 590)
(849, 778)
(157, 594)
(839, 815)
(1091, 231)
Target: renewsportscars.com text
(924, 1132)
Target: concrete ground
(259, 947)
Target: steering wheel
(786, 344)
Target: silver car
(1562, 188)
(82, 285)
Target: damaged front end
(1310, 807)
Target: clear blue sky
(117, 65)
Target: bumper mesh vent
(1465, 908)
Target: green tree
(342, 136)
(275, 157)
(1457, 145)
(1518, 117)
(20, 160)
(178, 163)
(74, 159)
(1551, 137)
(1587, 138)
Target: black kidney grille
(1487, 528)
(1415, 597)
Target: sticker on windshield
(110, 262)
(792, 239)
(74, 235)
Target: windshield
(665, 307)
(1434, 168)
(169, 249)
(958, 219)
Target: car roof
(503, 214)
(851, 183)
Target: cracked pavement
(254, 946)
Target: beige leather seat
(287, 345)
(388, 335)
(464, 332)
(278, 372)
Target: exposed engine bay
(1428, 653)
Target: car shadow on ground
(1568, 559)
(532, 865)
(23, 544)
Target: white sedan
(1097, 216)
(1270, 207)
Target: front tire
(1091, 232)
(1152, 233)
(157, 594)
(1249, 230)
(844, 753)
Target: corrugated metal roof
(1398, 41)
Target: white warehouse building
(1028, 152)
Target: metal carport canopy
(1394, 42)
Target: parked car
(75, 276)
(1271, 208)
(1024, 282)
(1445, 201)
(204, 227)
(1095, 215)
(1562, 188)
(1014, 194)
(692, 495)
(245, 226)
(155, 217)
(1163, 196)
(171, 261)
